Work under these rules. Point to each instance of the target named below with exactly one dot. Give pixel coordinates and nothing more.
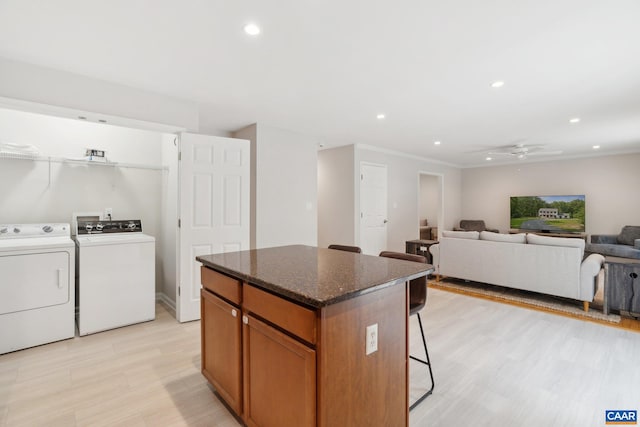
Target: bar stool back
(346, 248)
(417, 301)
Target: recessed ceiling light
(595, 147)
(575, 120)
(252, 29)
(497, 84)
(489, 158)
(436, 143)
(380, 116)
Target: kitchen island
(305, 336)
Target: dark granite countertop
(314, 276)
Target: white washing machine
(115, 272)
(36, 285)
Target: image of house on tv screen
(548, 214)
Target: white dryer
(115, 274)
(36, 285)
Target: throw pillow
(629, 234)
(473, 235)
(507, 238)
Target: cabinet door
(222, 348)
(279, 378)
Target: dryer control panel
(21, 231)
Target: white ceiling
(327, 68)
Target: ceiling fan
(522, 151)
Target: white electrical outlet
(108, 212)
(372, 339)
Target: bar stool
(417, 301)
(346, 248)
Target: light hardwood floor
(494, 364)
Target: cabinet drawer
(225, 286)
(290, 316)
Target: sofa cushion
(473, 235)
(507, 238)
(629, 234)
(569, 242)
(622, 251)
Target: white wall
(39, 191)
(47, 86)
(403, 175)
(284, 186)
(336, 196)
(429, 208)
(610, 185)
(404, 192)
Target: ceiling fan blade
(500, 153)
(544, 153)
(529, 149)
(534, 146)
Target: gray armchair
(473, 225)
(624, 245)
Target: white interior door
(373, 208)
(213, 209)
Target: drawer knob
(234, 312)
(245, 320)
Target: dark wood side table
(621, 285)
(420, 247)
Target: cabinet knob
(234, 312)
(245, 320)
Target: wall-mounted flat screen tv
(548, 214)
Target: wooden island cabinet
(222, 364)
(284, 335)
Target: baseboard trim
(162, 298)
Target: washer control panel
(109, 227)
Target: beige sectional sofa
(549, 265)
